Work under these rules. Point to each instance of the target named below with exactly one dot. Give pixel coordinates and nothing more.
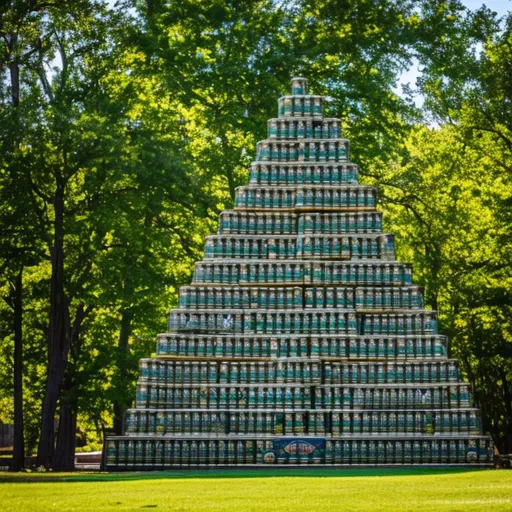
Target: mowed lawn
(258, 490)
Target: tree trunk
(18, 456)
(14, 70)
(508, 407)
(120, 405)
(58, 336)
(64, 459)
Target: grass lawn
(258, 490)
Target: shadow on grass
(213, 473)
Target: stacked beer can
(301, 339)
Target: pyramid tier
(303, 150)
(334, 223)
(388, 396)
(306, 198)
(368, 246)
(296, 370)
(304, 272)
(307, 127)
(329, 422)
(125, 453)
(303, 105)
(294, 173)
(328, 320)
(300, 396)
(392, 372)
(248, 223)
(378, 299)
(214, 396)
(264, 346)
(264, 320)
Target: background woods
(125, 128)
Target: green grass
(260, 490)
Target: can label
(291, 449)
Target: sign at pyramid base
(301, 340)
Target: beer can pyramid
(301, 340)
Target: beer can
(337, 452)
(300, 130)
(334, 130)
(336, 424)
(317, 107)
(287, 106)
(298, 106)
(272, 128)
(307, 112)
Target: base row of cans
(161, 453)
(327, 173)
(274, 396)
(296, 370)
(248, 197)
(305, 272)
(307, 150)
(248, 223)
(327, 128)
(346, 347)
(303, 321)
(375, 246)
(229, 297)
(336, 423)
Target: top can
(299, 86)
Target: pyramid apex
(299, 85)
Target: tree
(108, 189)
(21, 244)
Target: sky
(500, 6)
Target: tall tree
(95, 167)
(21, 242)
